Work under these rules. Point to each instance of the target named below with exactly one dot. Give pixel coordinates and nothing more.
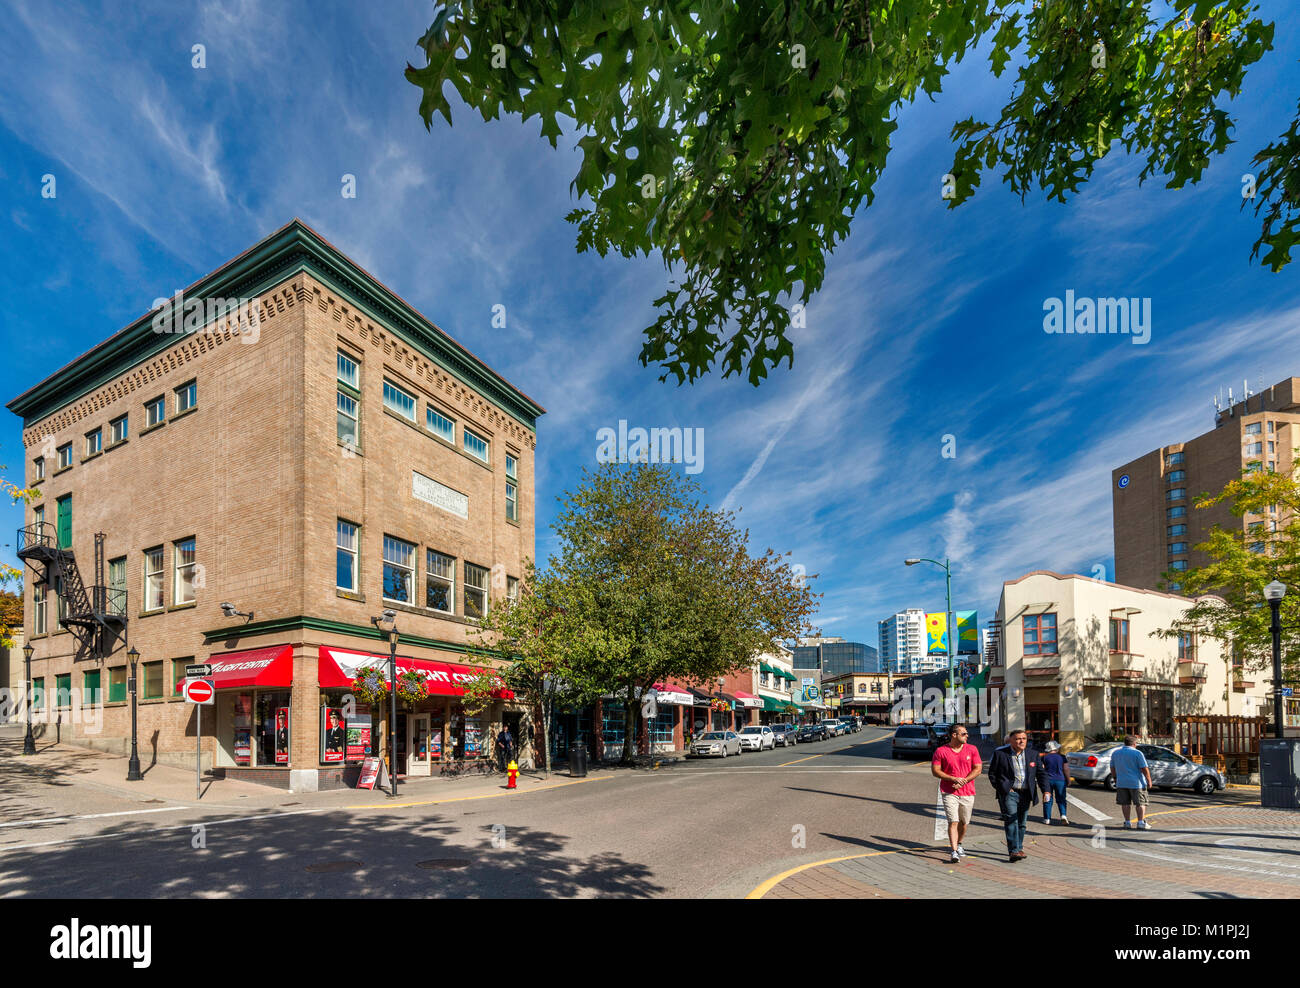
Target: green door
(65, 522)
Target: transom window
(440, 583)
(346, 565)
(117, 430)
(94, 442)
(153, 579)
(399, 401)
(439, 424)
(1040, 634)
(476, 446)
(155, 411)
(476, 591)
(187, 396)
(399, 570)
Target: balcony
(1041, 665)
(1240, 685)
(1191, 673)
(1127, 665)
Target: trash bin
(578, 763)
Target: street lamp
(29, 742)
(1274, 593)
(133, 766)
(952, 631)
(391, 617)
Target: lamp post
(133, 766)
(1274, 593)
(946, 566)
(391, 616)
(29, 742)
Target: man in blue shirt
(1128, 767)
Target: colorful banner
(936, 632)
(358, 730)
(968, 635)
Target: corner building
(314, 458)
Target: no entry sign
(199, 691)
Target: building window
(440, 582)
(512, 502)
(153, 579)
(346, 557)
(1256, 547)
(512, 467)
(1177, 530)
(399, 401)
(38, 692)
(1175, 587)
(512, 589)
(1176, 494)
(1173, 459)
(38, 609)
(612, 724)
(117, 430)
(1160, 713)
(1179, 512)
(153, 680)
(1254, 449)
(661, 728)
(348, 416)
(349, 372)
(1254, 428)
(1176, 476)
(399, 570)
(1176, 548)
(187, 396)
(1186, 647)
(1040, 634)
(183, 553)
(63, 691)
(117, 685)
(1272, 467)
(38, 469)
(94, 442)
(155, 411)
(1272, 447)
(1253, 467)
(178, 672)
(1118, 634)
(439, 424)
(1125, 706)
(1181, 564)
(476, 591)
(476, 446)
(90, 688)
(65, 456)
(116, 603)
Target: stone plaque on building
(439, 495)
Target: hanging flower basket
(369, 686)
(411, 687)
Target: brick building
(302, 444)
(1156, 523)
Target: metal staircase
(95, 615)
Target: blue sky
(929, 324)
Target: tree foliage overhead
(1241, 563)
(738, 138)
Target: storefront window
(1124, 709)
(1160, 713)
(612, 725)
(435, 735)
(271, 728)
(242, 723)
(466, 734)
(661, 728)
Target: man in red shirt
(956, 765)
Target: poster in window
(435, 738)
(282, 736)
(244, 710)
(473, 737)
(243, 746)
(333, 736)
(358, 731)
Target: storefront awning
(747, 699)
(672, 695)
(339, 667)
(776, 706)
(268, 667)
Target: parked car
(1168, 768)
(721, 743)
(853, 722)
(785, 734)
(756, 737)
(813, 732)
(834, 727)
(918, 739)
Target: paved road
(702, 828)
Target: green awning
(776, 706)
(764, 667)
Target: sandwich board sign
(373, 772)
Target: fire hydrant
(512, 775)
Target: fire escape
(96, 615)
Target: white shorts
(958, 808)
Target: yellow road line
(1191, 809)
(462, 799)
(1242, 785)
(798, 760)
(771, 883)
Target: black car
(813, 732)
(919, 739)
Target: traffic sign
(194, 672)
(1286, 690)
(199, 691)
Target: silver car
(720, 743)
(1168, 768)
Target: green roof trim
(293, 248)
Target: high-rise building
(1155, 521)
(836, 657)
(902, 641)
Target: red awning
(340, 666)
(269, 667)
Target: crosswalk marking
(940, 818)
(1092, 812)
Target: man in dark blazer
(1017, 774)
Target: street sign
(196, 671)
(199, 691)
(1286, 690)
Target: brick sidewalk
(1226, 851)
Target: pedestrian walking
(1058, 780)
(1017, 774)
(956, 765)
(1128, 767)
(506, 746)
